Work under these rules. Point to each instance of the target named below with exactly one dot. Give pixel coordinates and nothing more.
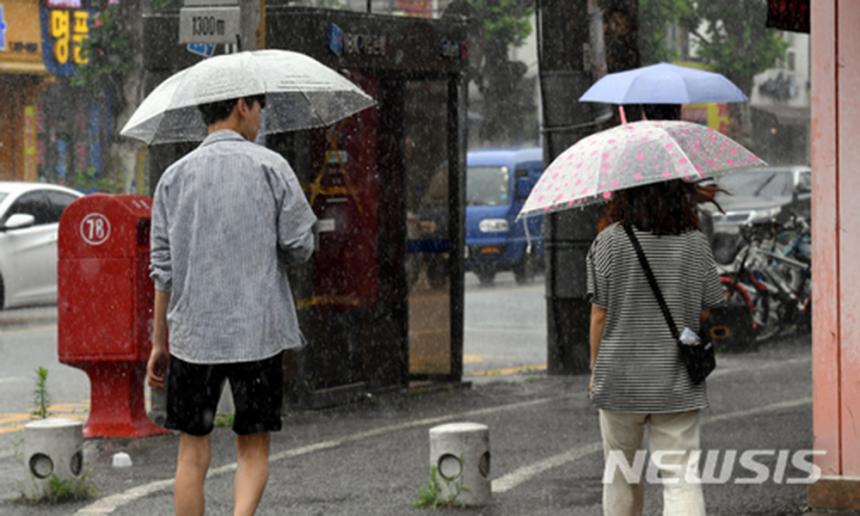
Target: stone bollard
(53, 447)
(460, 452)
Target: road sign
(3, 28)
(201, 49)
(209, 24)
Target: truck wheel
(524, 272)
(486, 277)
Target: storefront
(50, 131)
(381, 302)
(22, 78)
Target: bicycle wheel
(731, 327)
(766, 315)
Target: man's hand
(156, 368)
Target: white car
(29, 221)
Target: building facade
(836, 301)
(51, 131)
(780, 100)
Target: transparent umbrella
(631, 155)
(301, 93)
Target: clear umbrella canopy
(633, 155)
(301, 93)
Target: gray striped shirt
(638, 368)
(225, 219)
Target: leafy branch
(110, 50)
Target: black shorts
(193, 391)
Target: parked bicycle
(768, 285)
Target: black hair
(662, 111)
(218, 111)
(665, 208)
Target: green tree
(729, 36)
(656, 21)
(115, 73)
(499, 26)
(732, 38)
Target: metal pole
(250, 24)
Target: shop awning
(22, 67)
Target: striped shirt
(225, 219)
(638, 368)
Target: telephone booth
(381, 301)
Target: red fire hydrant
(105, 299)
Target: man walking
(225, 219)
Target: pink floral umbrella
(631, 155)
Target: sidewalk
(372, 458)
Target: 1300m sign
(208, 24)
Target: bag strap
(651, 280)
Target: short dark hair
(217, 111)
(665, 208)
(662, 111)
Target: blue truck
(498, 181)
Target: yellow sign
(31, 171)
(69, 30)
(21, 35)
(715, 116)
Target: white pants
(676, 433)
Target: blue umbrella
(663, 83)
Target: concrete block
(460, 452)
(53, 447)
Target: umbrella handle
(622, 114)
(528, 234)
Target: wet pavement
(372, 458)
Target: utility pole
(253, 24)
(570, 54)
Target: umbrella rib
(313, 107)
(684, 154)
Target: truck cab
(498, 181)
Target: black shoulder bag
(698, 357)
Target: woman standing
(638, 380)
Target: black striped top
(638, 368)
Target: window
(32, 203)
(804, 183)
(758, 183)
(59, 201)
(487, 186)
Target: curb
(26, 321)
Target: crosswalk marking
(14, 422)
